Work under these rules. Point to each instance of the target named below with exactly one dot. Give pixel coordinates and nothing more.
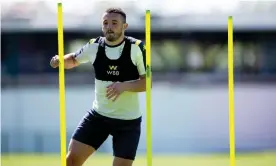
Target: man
(119, 65)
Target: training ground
(244, 159)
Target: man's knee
(78, 153)
(74, 160)
(70, 160)
(122, 162)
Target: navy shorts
(94, 129)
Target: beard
(112, 36)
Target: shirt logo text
(113, 70)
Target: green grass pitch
(253, 159)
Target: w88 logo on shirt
(113, 70)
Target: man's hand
(54, 62)
(114, 90)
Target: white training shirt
(127, 104)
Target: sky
(179, 6)
(191, 6)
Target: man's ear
(125, 26)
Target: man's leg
(87, 138)
(118, 161)
(78, 153)
(126, 136)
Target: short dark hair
(118, 11)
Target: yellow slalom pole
(231, 92)
(148, 89)
(61, 86)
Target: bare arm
(69, 61)
(115, 89)
(136, 86)
(72, 60)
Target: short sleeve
(83, 55)
(141, 58)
